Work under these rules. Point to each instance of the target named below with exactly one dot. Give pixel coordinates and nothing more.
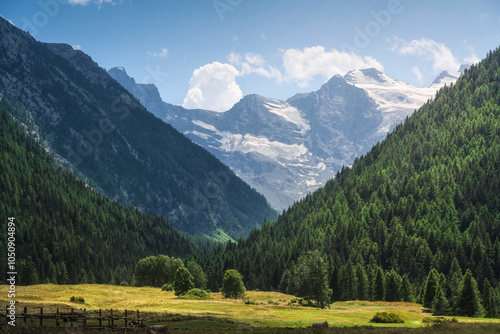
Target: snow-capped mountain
(285, 149)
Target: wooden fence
(100, 319)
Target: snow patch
(289, 113)
(205, 125)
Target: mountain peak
(365, 76)
(446, 77)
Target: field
(265, 310)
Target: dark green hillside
(101, 133)
(65, 231)
(428, 194)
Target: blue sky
(210, 53)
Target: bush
(197, 294)
(167, 287)
(386, 318)
(438, 320)
(79, 300)
(124, 283)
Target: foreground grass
(268, 309)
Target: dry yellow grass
(264, 312)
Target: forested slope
(425, 196)
(65, 231)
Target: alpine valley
(286, 149)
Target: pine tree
(489, 300)
(468, 302)
(440, 305)
(406, 290)
(431, 287)
(392, 286)
(379, 285)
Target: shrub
(79, 300)
(167, 287)
(386, 318)
(124, 283)
(438, 320)
(197, 294)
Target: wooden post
(57, 317)
(125, 317)
(41, 316)
(112, 320)
(24, 314)
(100, 319)
(138, 322)
(84, 318)
(71, 319)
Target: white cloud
(162, 54)
(77, 47)
(439, 54)
(234, 58)
(213, 86)
(303, 65)
(253, 63)
(418, 74)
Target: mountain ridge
(313, 134)
(102, 133)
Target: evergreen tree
(468, 302)
(392, 286)
(440, 305)
(489, 300)
(379, 285)
(183, 281)
(431, 288)
(406, 290)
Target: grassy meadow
(265, 310)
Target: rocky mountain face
(101, 132)
(285, 149)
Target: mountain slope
(99, 131)
(285, 149)
(65, 232)
(427, 197)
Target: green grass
(161, 307)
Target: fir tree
(379, 285)
(431, 288)
(468, 302)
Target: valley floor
(264, 312)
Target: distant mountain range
(99, 131)
(285, 149)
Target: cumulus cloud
(213, 87)
(439, 54)
(304, 65)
